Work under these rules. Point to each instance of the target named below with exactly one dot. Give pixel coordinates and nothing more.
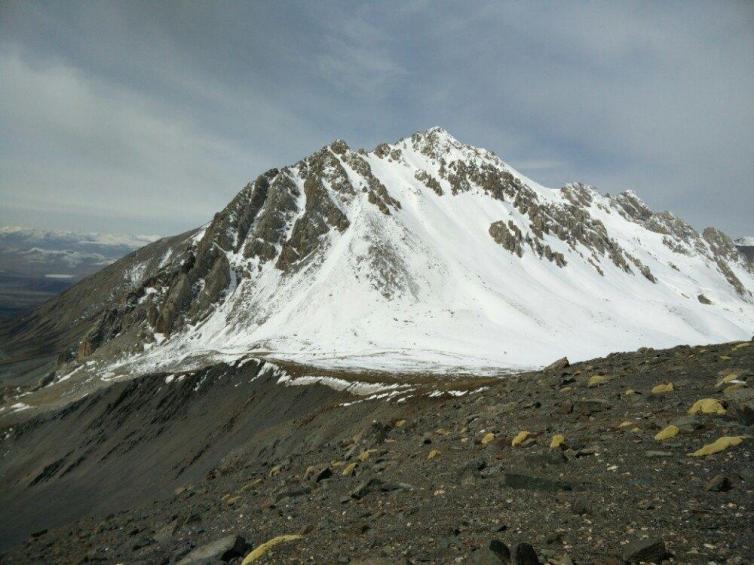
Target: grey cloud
(154, 115)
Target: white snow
(357, 388)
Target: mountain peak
(436, 135)
(422, 253)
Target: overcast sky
(148, 117)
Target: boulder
(558, 365)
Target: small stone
(520, 438)
(500, 550)
(657, 454)
(557, 442)
(718, 483)
(688, 424)
(224, 549)
(707, 406)
(432, 454)
(527, 482)
(596, 380)
(325, 473)
(470, 472)
(730, 377)
(275, 470)
(717, 446)
(566, 407)
(349, 470)
(662, 388)
(581, 507)
(263, 549)
(365, 488)
(524, 554)
(586, 452)
(487, 438)
(590, 406)
(667, 433)
(647, 550)
(364, 455)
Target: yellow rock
(629, 392)
(669, 432)
(364, 455)
(250, 485)
(432, 454)
(399, 423)
(520, 438)
(230, 501)
(596, 380)
(335, 463)
(717, 446)
(275, 470)
(662, 389)
(267, 546)
(725, 357)
(728, 389)
(625, 424)
(558, 440)
(349, 470)
(707, 406)
(488, 437)
(636, 430)
(726, 379)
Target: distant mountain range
(37, 264)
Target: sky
(148, 117)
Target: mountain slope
(424, 254)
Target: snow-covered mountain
(422, 254)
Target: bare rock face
(508, 236)
(177, 299)
(216, 281)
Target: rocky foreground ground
(637, 457)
